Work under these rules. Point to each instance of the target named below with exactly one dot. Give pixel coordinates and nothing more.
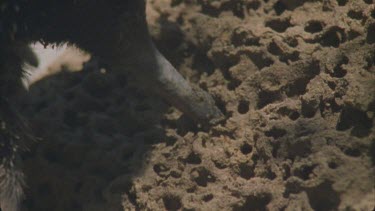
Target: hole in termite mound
(323, 197)
(246, 171)
(221, 104)
(290, 57)
(265, 98)
(291, 113)
(357, 15)
(160, 168)
(309, 108)
(291, 41)
(369, 1)
(352, 152)
(261, 60)
(274, 48)
(332, 165)
(339, 71)
(275, 133)
(246, 148)
(279, 25)
(342, 2)
(305, 171)
(371, 153)
(172, 202)
(243, 106)
(193, 158)
(208, 197)
(299, 85)
(333, 37)
(239, 10)
(202, 176)
(202, 63)
(352, 34)
(279, 7)
(256, 202)
(254, 5)
(242, 36)
(314, 26)
(270, 174)
(233, 84)
(370, 60)
(371, 34)
(356, 120)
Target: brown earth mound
(296, 80)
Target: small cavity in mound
(202, 63)
(160, 168)
(275, 133)
(333, 37)
(246, 148)
(357, 15)
(298, 87)
(240, 9)
(202, 176)
(261, 60)
(352, 152)
(172, 202)
(257, 202)
(233, 84)
(279, 25)
(309, 109)
(270, 174)
(314, 26)
(371, 34)
(242, 36)
(243, 107)
(305, 171)
(368, 1)
(323, 197)
(279, 7)
(339, 71)
(208, 197)
(291, 41)
(370, 60)
(274, 48)
(221, 105)
(193, 158)
(290, 57)
(292, 114)
(342, 2)
(352, 34)
(255, 4)
(357, 120)
(332, 165)
(266, 98)
(246, 171)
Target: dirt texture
(295, 79)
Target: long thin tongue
(193, 101)
(156, 74)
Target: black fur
(98, 26)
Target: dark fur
(96, 26)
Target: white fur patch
(52, 60)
